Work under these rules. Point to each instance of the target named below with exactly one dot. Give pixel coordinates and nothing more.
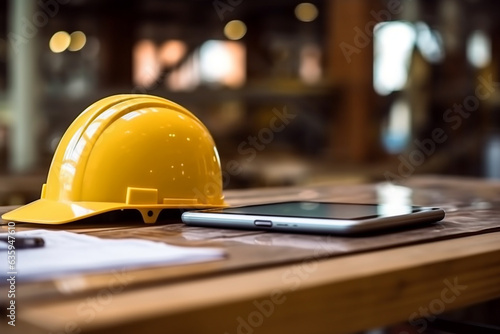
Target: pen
(24, 242)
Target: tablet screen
(324, 210)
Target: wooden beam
(350, 66)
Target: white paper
(71, 253)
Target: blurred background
(295, 92)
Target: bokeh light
(78, 40)
(235, 30)
(171, 52)
(59, 41)
(306, 12)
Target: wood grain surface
(329, 284)
(338, 295)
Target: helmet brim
(45, 211)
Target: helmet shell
(129, 152)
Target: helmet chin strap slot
(141, 196)
(150, 215)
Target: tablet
(315, 217)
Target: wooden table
(278, 283)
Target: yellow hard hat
(128, 152)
